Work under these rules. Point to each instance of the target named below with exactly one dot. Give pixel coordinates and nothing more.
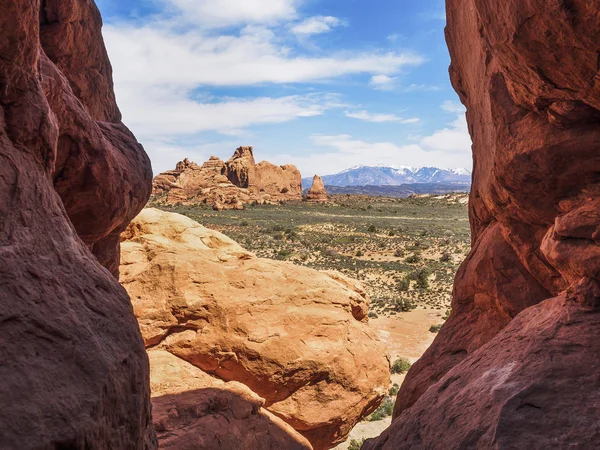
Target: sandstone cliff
(229, 184)
(317, 192)
(297, 337)
(74, 371)
(516, 364)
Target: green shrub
(244, 223)
(385, 410)
(422, 277)
(446, 257)
(372, 229)
(403, 284)
(401, 365)
(356, 445)
(392, 233)
(435, 328)
(394, 390)
(359, 253)
(399, 253)
(413, 259)
(373, 315)
(447, 315)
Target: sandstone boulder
(317, 193)
(193, 410)
(74, 371)
(297, 337)
(515, 365)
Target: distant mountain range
(394, 176)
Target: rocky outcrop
(317, 193)
(230, 184)
(193, 410)
(501, 372)
(297, 337)
(74, 371)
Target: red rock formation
(511, 369)
(230, 184)
(295, 336)
(317, 192)
(74, 372)
(193, 410)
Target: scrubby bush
(447, 315)
(413, 259)
(392, 233)
(422, 278)
(356, 445)
(244, 223)
(359, 253)
(435, 328)
(373, 315)
(401, 365)
(446, 257)
(399, 253)
(403, 284)
(372, 229)
(385, 410)
(394, 390)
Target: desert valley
(228, 303)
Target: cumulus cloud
(156, 54)
(224, 13)
(383, 82)
(380, 118)
(317, 25)
(454, 138)
(453, 107)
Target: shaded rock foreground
(296, 337)
(516, 364)
(229, 184)
(74, 371)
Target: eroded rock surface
(509, 368)
(193, 410)
(297, 337)
(229, 184)
(74, 372)
(317, 192)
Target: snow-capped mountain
(395, 176)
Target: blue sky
(323, 84)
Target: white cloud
(383, 82)
(453, 107)
(223, 13)
(164, 111)
(317, 25)
(346, 151)
(379, 118)
(455, 138)
(157, 55)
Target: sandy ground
(406, 335)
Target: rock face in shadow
(193, 410)
(510, 367)
(317, 192)
(74, 372)
(229, 184)
(297, 337)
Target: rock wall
(296, 337)
(74, 372)
(229, 184)
(515, 366)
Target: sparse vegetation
(356, 445)
(385, 410)
(435, 328)
(401, 365)
(395, 247)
